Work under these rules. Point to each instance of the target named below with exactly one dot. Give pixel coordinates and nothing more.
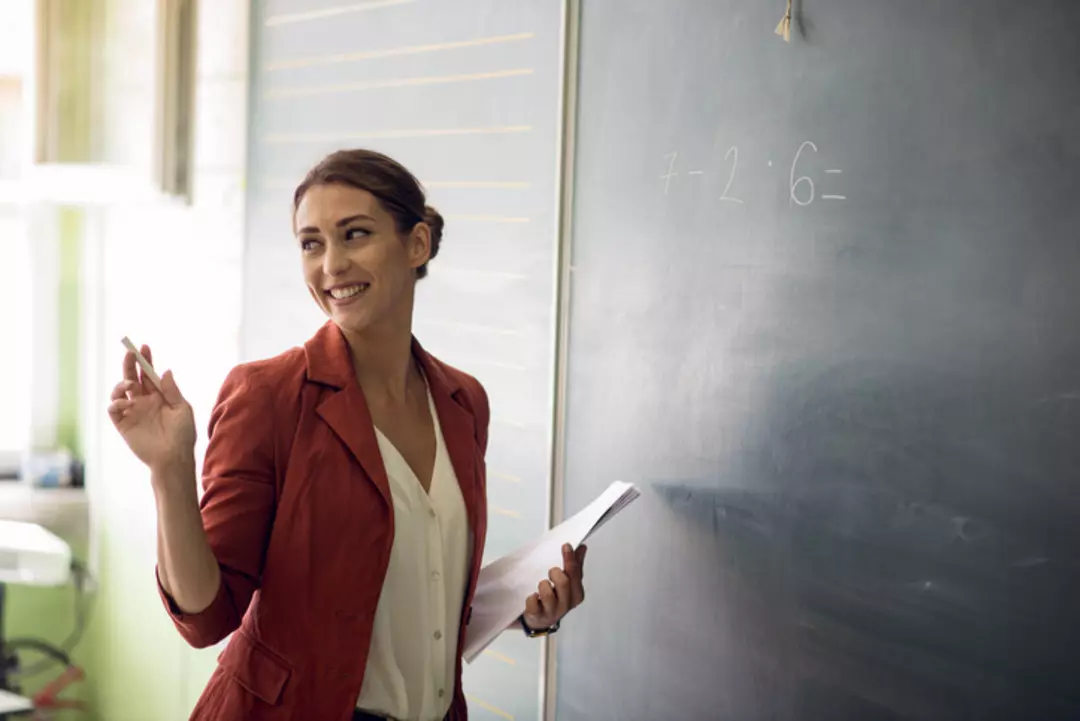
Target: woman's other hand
(560, 593)
(158, 426)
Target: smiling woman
(366, 236)
(343, 522)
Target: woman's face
(358, 268)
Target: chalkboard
(467, 95)
(823, 310)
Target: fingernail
(566, 548)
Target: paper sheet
(505, 583)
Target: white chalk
(148, 369)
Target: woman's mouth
(342, 294)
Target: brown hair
(391, 183)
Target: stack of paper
(505, 583)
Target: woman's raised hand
(158, 426)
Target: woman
(343, 518)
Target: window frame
(169, 178)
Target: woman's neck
(383, 361)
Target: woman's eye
(307, 244)
(354, 233)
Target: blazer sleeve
(238, 504)
(481, 412)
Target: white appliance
(33, 556)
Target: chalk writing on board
(808, 198)
(802, 190)
(732, 153)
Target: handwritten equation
(802, 189)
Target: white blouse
(412, 661)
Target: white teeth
(349, 292)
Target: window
(15, 333)
(106, 93)
(15, 261)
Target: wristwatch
(538, 632)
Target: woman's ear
(419, 245)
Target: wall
(167, 275)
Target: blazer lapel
(458, 429)
(346, 410)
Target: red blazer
(297, 508)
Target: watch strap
(537, 632)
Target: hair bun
(434, 221)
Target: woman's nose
(335, 261)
